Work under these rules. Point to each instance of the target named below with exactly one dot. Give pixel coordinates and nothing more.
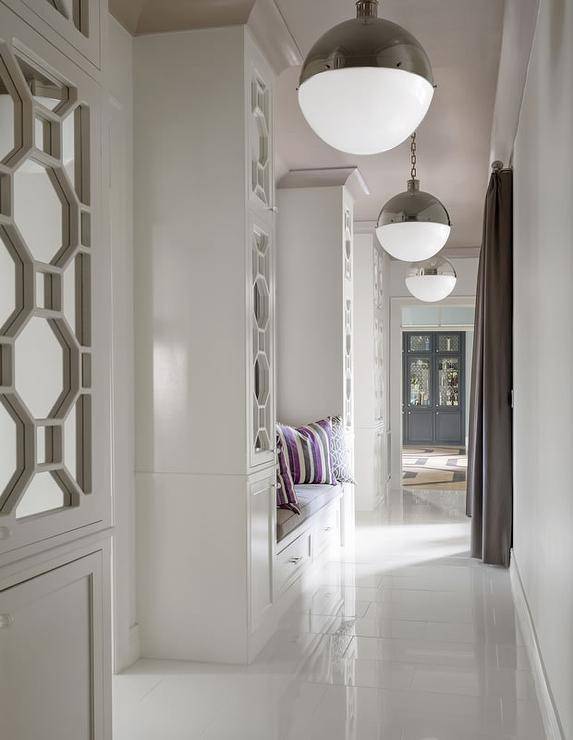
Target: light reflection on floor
(405, 638)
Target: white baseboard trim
(549, 713)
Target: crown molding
(273, 36)
(327, 177)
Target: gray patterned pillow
(339, 457)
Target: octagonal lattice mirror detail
(260, 140)
(45, 292)
(262, 341)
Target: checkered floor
(442, 468)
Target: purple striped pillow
(286, 495)
(307, 450)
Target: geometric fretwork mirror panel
(348, 380)
(347, 245)
(75, 11)
(260, 141)
(262, 352)
(45, 288)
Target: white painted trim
(274, 36)
(395, 400)
(349, 177)
(549, 712)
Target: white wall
(543, 354)
(310, 305)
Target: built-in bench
(311, 499)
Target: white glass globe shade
(365, 110)
(431, 288)
(413, 241)
(431, 281)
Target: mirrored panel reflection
(8, 448)
(38, 210)
(39, 362)
(50, 93)
(43, 494)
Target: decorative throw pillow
(307, 451)
(339, 452)
(286, 495)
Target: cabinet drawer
(291, 560)
(327, 530)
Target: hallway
(406, 639)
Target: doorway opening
(434, 410)
(436, 344)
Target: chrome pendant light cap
(413, 225)
(367, 41)
(414, 205)
(366, 84)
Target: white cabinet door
(262, 505)
(74, 25)
(51, 655)
(54, 296)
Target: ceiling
(462, 39)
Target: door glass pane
(449, 382)
(419, 383)
(448, 343)
(419, 343)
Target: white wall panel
(543, 348)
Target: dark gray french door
(434, 378)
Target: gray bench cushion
(311, 498)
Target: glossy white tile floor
(406, 639)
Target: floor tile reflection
(404, 638)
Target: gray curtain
(490, 475)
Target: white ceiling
(462, 39)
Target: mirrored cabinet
(47, 206)
(55, 422)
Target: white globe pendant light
(431, 281)
(366, 84)
(413, 225)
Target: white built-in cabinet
(55, 332)
(315, 302)
(371, 278)
(316, 313)
(205, 387)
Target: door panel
(51, 643)
(433, 388)
(448, 427)
(420, 427)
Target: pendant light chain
(413, 171)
